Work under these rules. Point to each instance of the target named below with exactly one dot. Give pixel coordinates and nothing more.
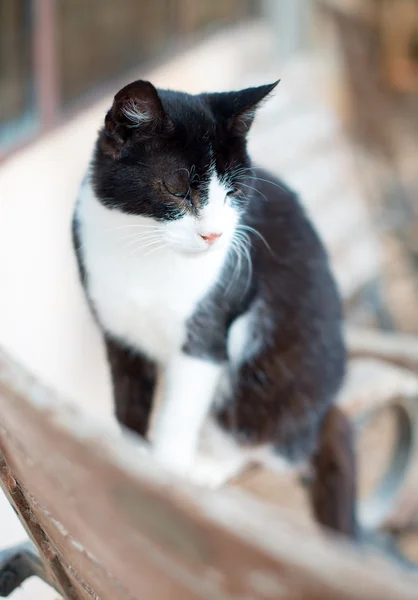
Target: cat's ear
(238, 108)
(136, 110)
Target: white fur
(190, 385)
(145, 279)
(220, 457)
(216, 217)
(248, 334)
(136, 113)
(239, 339)
(217, 210)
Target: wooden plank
(128, 529)
(398, 349)
(398, 25)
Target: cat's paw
(210, 473)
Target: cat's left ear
(136, 110)
(238, 108)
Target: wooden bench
(109, 524)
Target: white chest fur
(143, 292)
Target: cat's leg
(188, 392)
(332, 478)
(283, 387)
(333, 488)
(327, 448)
(213, 473)
(134, 380)
(219, 458)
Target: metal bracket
(18, 564)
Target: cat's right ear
(136, 110)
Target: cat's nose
(210, 238)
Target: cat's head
(179, 160)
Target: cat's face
(178, 161)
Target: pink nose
(211, 238)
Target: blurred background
(57, 57)
(341, 129)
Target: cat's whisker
(183, 169)
(237, 270)
(188, 192)
(141, 238)
(240, 243)
(239, 265)
(142, 247)
(256, 178)
(139, 235)
(277, 185)
(250, 187)
(240, 237)
(241, 195)
(241, 171)
(245, 244)
(155, 249)
(240, 249)
(135, 228)
(192, 173)
(252, 168)
(233, 173)
(257, 233)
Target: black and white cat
(205, 276)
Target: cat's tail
(334, 486)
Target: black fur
(191, 132)
(282, 393)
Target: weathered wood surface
(397, 349)
(124, 529)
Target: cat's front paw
(210, 473)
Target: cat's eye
(175, 191)
(177, 185)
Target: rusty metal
(19, 563)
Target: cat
(205, 276)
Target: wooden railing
(111, 525)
